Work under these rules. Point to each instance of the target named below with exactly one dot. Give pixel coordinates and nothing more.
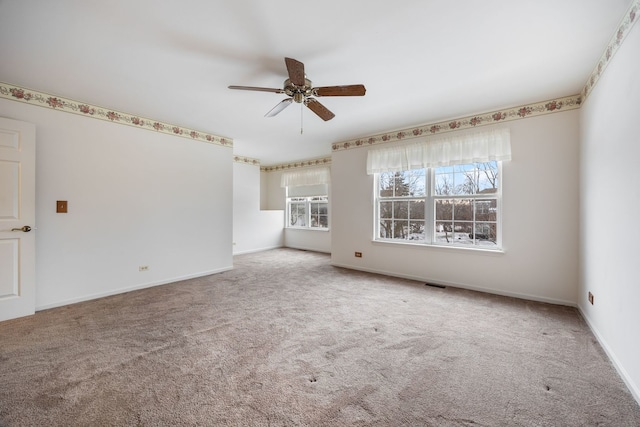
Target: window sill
(431, 246)
(307, 229)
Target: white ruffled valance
(455, 150)
(311, 176)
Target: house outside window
(457, 205)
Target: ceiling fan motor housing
(298, 93)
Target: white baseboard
(462, 286)
(129, 289)
(633, 388)
(251, 251)
(302, 248)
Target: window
(308, 212)
(307, 200)
(456, 205)
(298, 212)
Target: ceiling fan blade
(295, 70)
(279, 107)
(319, 109)
(259, 89)
(348, 90)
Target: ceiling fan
(301, 90)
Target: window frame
(308, 201)
(430, 199)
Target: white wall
(272, 196)
(253, 229)
(264, 191)
(540, 229)
(308, 240)
(135, 198)
(610, 210)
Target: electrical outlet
(143, 268)
(358, 254)
(590, 298)
(61, 206)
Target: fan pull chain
(301, 111)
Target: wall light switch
(61, 206)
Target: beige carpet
(285, 339)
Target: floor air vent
(435, 285)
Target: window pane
(401, 184)
(319, 221)
(463, 210)
(465, 229)
(416, 209)
(386, 210)
(486, 210)
(460, 181)
(298, 220)
(319, 218)
(473, 178)
(485, 234)
(416, 230)
(298, 215)
(401, 210)
(386, 229)
(444, 209)
(400, 229)
(386, 184)
(393, 229)
(443, 184)
(417, 183)
(487, 177)
(462, 232)
(443, 232)
(476, 178)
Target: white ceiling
(421, 60)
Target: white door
(17, 218)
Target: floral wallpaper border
(508, 114)
(17, 93)
(630, 18)
(247, 160)
(303, 164)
